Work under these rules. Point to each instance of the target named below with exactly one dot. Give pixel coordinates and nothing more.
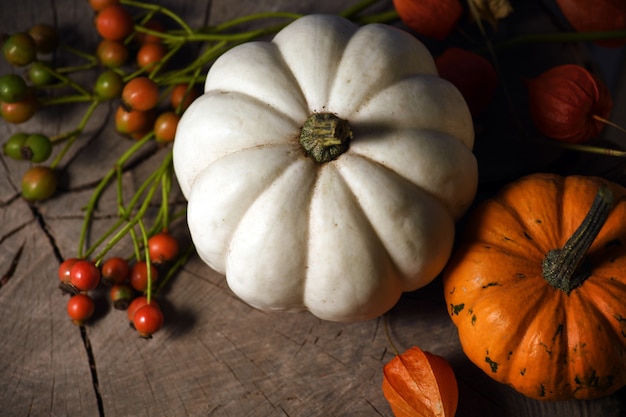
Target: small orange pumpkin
(537, 287)
(420, 384)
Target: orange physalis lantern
(420, 384)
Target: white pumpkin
(345, 236)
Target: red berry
(165, 127)
(162, 247)
(182, 96)
(135, 305)
(98, 5)
(114, 22)
(148, 320)
(139, 275)
(140, 93)
(115, 270)
(112, 54)
(64, 269)
(80, 308)
(150, 54)
(84, 275)
(20, 111)
(134, 121)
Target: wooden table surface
(215, 356)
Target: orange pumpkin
(537, 287)
(420, 384)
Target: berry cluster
(139, 87)
(148, 65)
(150, 94)
(18, 103)
(130, 286)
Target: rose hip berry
(20, 111)
(162, 247)
(19, 49)
(39, 183)
(109, 85)
(84, 275)
(37, 148)
(46, 37)
(150, 54)
(135, 305)
(112, 54)
(114, 22)
(140, 93)
(115, 271)
(13, 88)
(139, 275)
(65, 268)
(121, 295)
(147, 320)
(13, 146)
(165, 127)
(133, 121)
(40, 74)
(80, 308)
(182, 96)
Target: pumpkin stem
(325, 136)
(564, 268)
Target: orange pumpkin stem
(565, 268)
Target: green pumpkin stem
(565, 268)
(325, 136)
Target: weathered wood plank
(44, 365)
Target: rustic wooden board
(216, 355)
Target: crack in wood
(14, 231)
(44, 227)
(83, 332)
(93, 369)
(368, 402)
(12, 267)
(14, 197)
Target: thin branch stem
(93, 201)
(74, 134)
(609, 123)
(144, 237)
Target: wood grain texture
(216, 356)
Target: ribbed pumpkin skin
(345, 237)
(516, 327)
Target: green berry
(13, 146)
(13, 88)
(46, 37)
(39, 183)
(19, 49)
(39, 74)
(37, 148)
(109, 85)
